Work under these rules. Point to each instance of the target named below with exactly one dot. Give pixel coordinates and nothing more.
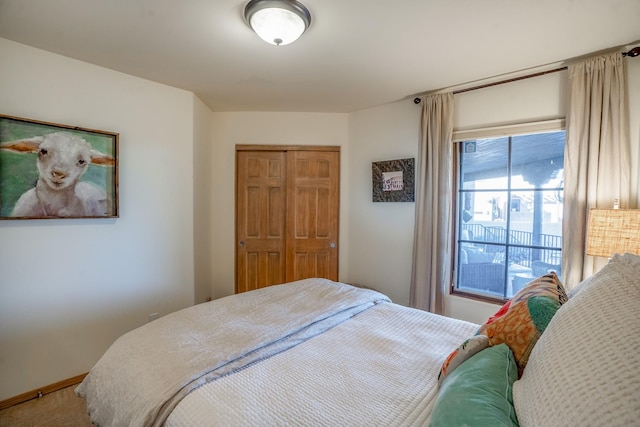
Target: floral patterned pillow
(526, 317)
(468, 348)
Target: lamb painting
(60, 172)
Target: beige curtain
(431, 270)
(596, 159)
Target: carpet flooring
(61, 408)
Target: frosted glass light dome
(278, 22)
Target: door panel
(312, 217)
(260, 222)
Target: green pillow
(479, 391)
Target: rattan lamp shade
(612, 231)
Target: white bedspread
(380, 368)
(147, 371)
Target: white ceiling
(356, 54)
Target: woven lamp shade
(612, 231)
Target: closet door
(287, 210)
(260, 218)
(312, 214)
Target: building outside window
(509, 212)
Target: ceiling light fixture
(277, 22)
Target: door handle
(332, 245)
(242, 243)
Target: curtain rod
(515, 79)
(631, 53)
(417, 100)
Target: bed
(321, 353)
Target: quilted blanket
(378, 369)
(148, 371)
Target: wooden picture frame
(393, 180)
(50, 170)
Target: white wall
(203, 201)
(69, 288)
(381, 234)
(230, 129)
(538, 98)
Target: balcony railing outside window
(509, 222)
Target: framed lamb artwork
(50, 170)
(393, 180)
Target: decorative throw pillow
(479, 392)
(462, 353)
(503, 310)
(526, 317)
(584, 370)
(577, 288)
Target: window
(509, 212)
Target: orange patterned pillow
(527, 315)
(503, 310)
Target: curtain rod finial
(416, 100)
(633, 52)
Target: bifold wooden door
(287, 214)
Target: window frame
(526, 128)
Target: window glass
(509, 212)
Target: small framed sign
(393, 181)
